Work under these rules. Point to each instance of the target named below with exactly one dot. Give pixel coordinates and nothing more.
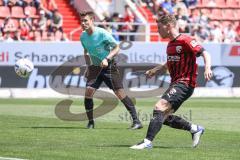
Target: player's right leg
(161, 111)
(88, 103)
(94, 80)
(177, 122)
(171, 100)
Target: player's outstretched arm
(207, 61)
(161, 69)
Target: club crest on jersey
(178, 49)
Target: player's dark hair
(87, 13)
(167, 19)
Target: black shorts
(177, 93)
(109, 75)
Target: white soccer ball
(23, 67)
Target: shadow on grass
(61, 127)
(127, 146)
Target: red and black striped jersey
(181, 59)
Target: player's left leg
(88, 103)
(130, 107)
(177, 122)
(180, 93)
(112, 79)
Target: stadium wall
(200, 92)
(133, 57)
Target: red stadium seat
(228, 14)
(154, 38)
(216, 14)
(206, 11)
(195, 12)
(237, 14)
(16, 22)
(220, 3)
(225, 23)
(32, 11)
(17, 12)
(204, 3)
(232, 3)
(5, 12)
(236, 24)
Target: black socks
(155, 124)
(177, 122)
(130, 107)
(88, 102)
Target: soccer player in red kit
(182, 51)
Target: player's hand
(104, 63)
(208, 74)
(150, 73)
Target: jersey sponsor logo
(173, 58)
(179, 49)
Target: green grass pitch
(29, 129)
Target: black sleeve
(200, 52)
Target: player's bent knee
(89, 92)
(163, 105)
(120, 94)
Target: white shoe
(145, 144)
(197, 135)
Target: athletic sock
(194, 128)
(177, 122)
(155, 124)
(88, 102)
(131, 108)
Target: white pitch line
(8, 158)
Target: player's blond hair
(167, 19)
